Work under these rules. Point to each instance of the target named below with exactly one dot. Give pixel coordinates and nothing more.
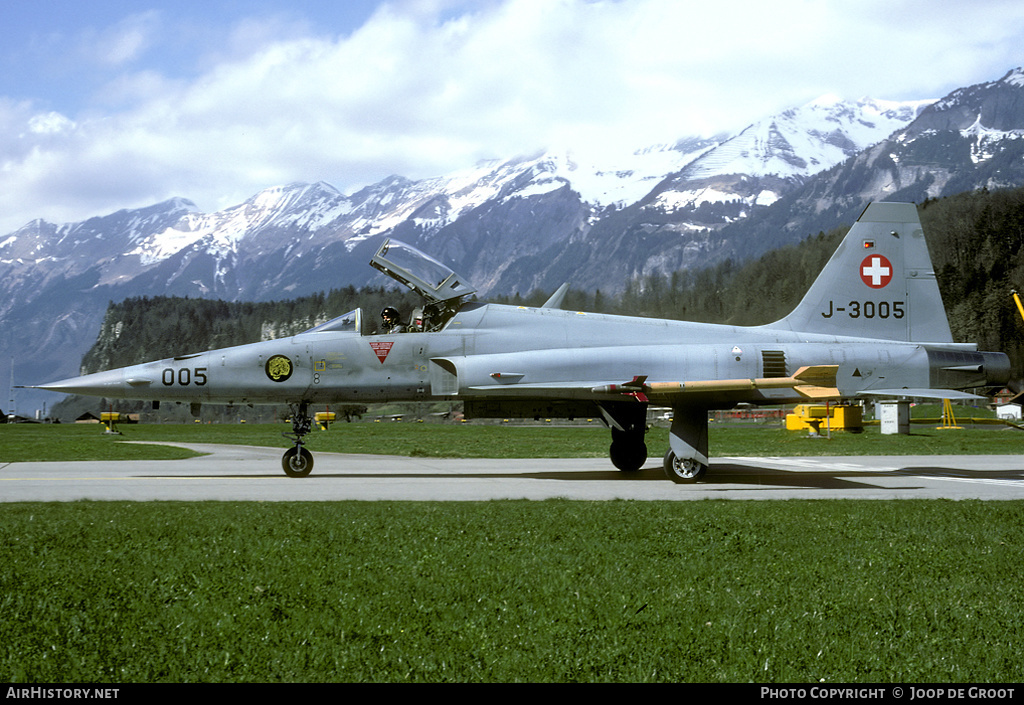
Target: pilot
(389, 321)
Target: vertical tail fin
(879, 283)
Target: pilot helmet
(389, 313)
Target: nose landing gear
(297, 461)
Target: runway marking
(825, 466)
(954, 478)
(815, 463)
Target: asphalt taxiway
(246, 473)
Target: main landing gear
(687, 458)
(683, 470)
(297, 461)
(628, 422)
(628, 451)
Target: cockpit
(345, 323)
(442, 289)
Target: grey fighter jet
(871, 326)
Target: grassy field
(554, 591)
(20, 442)
(713, 591)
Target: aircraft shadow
(1015, 474)
(721, 477)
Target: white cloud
(427, 87)
(126, 41)
(50, 123)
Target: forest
(975, 239)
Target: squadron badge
(279, 368)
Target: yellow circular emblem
(279, 368)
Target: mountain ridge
(523, 223)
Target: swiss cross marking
(381, 350)
(876, 271)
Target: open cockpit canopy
(432, 280)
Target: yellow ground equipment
(824, 417)
(110, 419)
(948, 419)
(324, 419)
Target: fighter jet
(871, 326)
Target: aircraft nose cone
(107, 384)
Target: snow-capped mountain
(769, 158)
(971, 139)
(188, 252)
(808, 139)
(511, 225)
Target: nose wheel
(297, 461)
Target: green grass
(553, 591)
(22, 442)
(69, 442)
(793, 591)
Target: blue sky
(110, 104)
(63, 53)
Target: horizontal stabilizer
(919, 394)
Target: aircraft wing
(552, 389)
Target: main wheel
(683, 470)
(628, 456)
(297, 462)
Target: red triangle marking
(381, 350)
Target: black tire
(628, 456)
(683, 471)
(297, 462)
